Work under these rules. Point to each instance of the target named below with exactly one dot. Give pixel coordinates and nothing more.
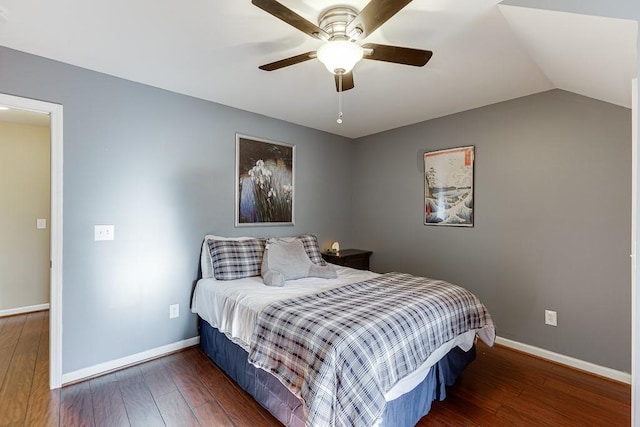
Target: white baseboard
(22, 310)
(103, 368)
(566, 360)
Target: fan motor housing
(335, 20)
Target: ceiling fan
(342, 28)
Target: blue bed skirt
(277, 399)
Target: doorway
(25, 146)
(55, 301)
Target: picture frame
(265, 181)
(448, 187)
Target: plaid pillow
(312, 248)
(235, 259)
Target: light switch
(104, 232)
(41, 224)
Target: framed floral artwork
(448, 187)
(264, 182)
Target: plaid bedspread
(342, 349)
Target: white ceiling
(211, 49)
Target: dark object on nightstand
(354, 258)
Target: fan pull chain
(339, 99)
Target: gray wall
(160, 167)
(552, 220)
(625, 9)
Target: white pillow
(205, 254)
(284, 261)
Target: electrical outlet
(174, 311)
(550, 318)
(104, 232)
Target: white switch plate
(104, 232)
(174, 311)
(41, 224)
(550, 318)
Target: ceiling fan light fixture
(339, 56)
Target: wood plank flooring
(502, 387)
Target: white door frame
(55, 303)
(635, 294)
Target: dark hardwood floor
(501, 388)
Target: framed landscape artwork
(448, 187)
(264, 182)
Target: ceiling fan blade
(374, 14)
(396, 54)
(290, 17)
(288, 61)
(347, 81)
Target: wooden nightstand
(354, 258)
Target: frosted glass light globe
(339, 56)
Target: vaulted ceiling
(483, 53)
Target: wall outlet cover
(551, 318)
(104, 232)
(174, 311)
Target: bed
(324, 345)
